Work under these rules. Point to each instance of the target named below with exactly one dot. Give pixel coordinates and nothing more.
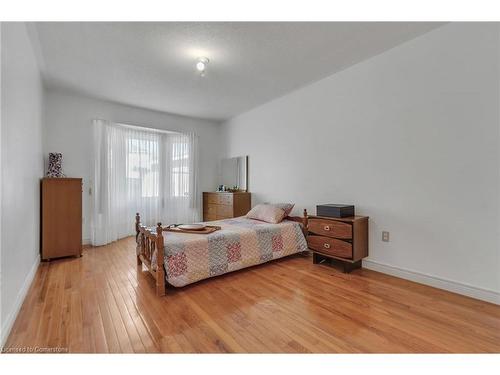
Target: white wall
(69, 130)
(411, 137)
(22, 167)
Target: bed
(240, 243)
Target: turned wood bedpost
(138, 241)
(305, 223)
(160, 272)
(305, 220)
(137, 223)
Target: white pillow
(287, 207)
(268, 213)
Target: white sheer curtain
(141, 170)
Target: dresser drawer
(224, 211)
(212, 198)
(330, 246)
(225, 199)
(211, 209)
(330, 228)
(209, 217)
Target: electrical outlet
(385, 236)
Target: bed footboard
(149, 244)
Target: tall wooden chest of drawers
(61, 207)
(222, 205)
(344, 239)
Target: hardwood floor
(100, 303)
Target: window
(180, 169)
(143, 169)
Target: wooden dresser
(61, 206)
(343, 239)
(222, 205)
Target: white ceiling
(152, 65)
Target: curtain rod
(139, 127)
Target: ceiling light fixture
(201, 65)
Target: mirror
(233, 172)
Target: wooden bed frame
(148, 240)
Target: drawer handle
(327, 227)
(326, 245)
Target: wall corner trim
(11, 317)
(437, 282)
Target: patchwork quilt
(241, 243)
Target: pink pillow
(267, 212)
(287, 207)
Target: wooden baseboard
(434, 281)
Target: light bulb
(201, 65)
